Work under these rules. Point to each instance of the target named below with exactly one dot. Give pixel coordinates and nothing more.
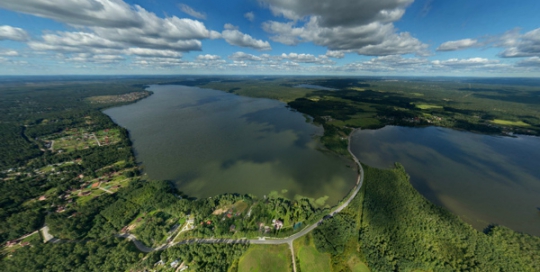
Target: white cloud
(9, 53)
(116, 22)
(457, 45)
(13, 34)
(104, 13)
(188, 10)
(89, 58)
(241, 56)
(526, 45)
(388, 64)
(208, 57)
(234, 37)
(250, 16)
(471, 62)
(335, 54)
(364, 27)
(145, 52)
(307, 58)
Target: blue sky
(339, 37)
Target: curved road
(263, 240)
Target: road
(262, 240)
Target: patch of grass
(428, 106)
(266, 258)
(309, 258)
(356, 265)
(510, 123)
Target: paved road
(263, 240)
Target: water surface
(483, 179)
(210, 142)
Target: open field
(510, 123)
(309, 258)
(266, 258)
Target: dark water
(483, 179)
(210, 142)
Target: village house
(278, 224)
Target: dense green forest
(396, 229)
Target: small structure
(175, 263)
(41, 198)
(278, 224)
(232, 228)
(12, 243)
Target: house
(41, 198)
(278, 224)
(175, 263)
(12, 243)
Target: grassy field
(428, 107)
(266, 258)
(510, 123)
(308, 258)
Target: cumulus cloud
(471, 62)
(105, 13)
(115, 22)
(9, 53)
(335, 54)
(526, 45)
(145, 52)
(233, 36)
(208, 57)
(343, 13)
(90, 58)
(250, 16)
(364, 27)
(13, 33)
(389, 63)
(457, 45)
(241, 56)
(307, 58)
(190, 11)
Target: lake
(483, 179)
(210, 142)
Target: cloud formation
(113, 24)
(13, 34)
(526, 45)
(250, 16)
(364, 27)
(457, 45)
(233, 36)
(190, 11)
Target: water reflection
(210, 142)
(484, 179)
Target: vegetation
(266, 258)
(100, 255)
(67, 165)
(401, 231)
(308, 258)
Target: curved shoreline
(262, 240)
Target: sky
(496, 38)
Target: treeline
(403, 231)
(97, 255)
(14, 146)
